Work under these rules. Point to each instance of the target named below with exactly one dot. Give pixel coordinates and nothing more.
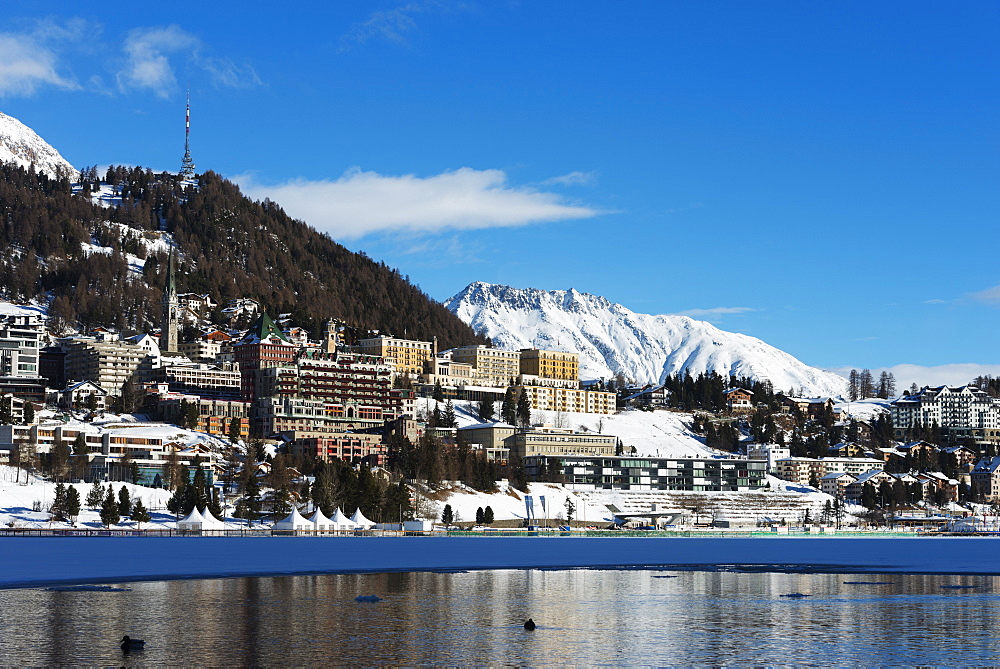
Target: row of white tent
(198, 520)
(318, 522)
(204, 520)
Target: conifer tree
(72, 502)
(139, 513)
(59, 458)
(508, 410)
(234, 433)
(570, 510)
(523, 409)
(215, 505)
(480, 516)
(447, 515)
(109, 510)
(488, 515)
(449, 419)
(58, 509)
(96, 495)
(486, 410)
(124, 502)
(80, 444)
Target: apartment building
(581, 472)
(346, 446)
(546, 441)
(215, 416)
(263, 346)
(210, 381)
(493, 367)
(20, 342)
(804, 470)
(406, 355)
(107, 361)
(550, 364)
(571, 399)
(111, 449)
(960, 413)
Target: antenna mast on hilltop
(187, 165)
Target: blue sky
(819, 175)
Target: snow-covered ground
(11, 309)
(866, 410)
(18, 499)
(662, 434)
(154, 242)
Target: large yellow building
(494, 368)
(550, 364)
(408, 356)
(570, 399)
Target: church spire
(171, 310)
(187, 164)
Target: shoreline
(47, 561)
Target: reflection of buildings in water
(583, 616)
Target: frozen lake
(611, 617)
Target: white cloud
(391, 25)
(361, 203)
(989, 296)
(26, 64)
(225, 72)
(148, 65)
(956, 374)
(714, 314)
(571, 179)
(935, 300)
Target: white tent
(211, 522)
(198, 520)
(341, 522)
(320, 522)
(294, 521)
(192, 521)
(359, 519)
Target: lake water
(590, 617)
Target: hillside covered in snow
(22, 146)
(613, 340)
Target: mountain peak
(611, 339)
(21, 145)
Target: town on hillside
(264, 422)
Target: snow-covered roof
(480, 426)
(867, 476)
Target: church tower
(171, 311)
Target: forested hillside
(62, 245)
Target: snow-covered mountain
(20, 144)
(613, 340)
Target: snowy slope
(613, 340)
(652, 433)
(20, 144)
